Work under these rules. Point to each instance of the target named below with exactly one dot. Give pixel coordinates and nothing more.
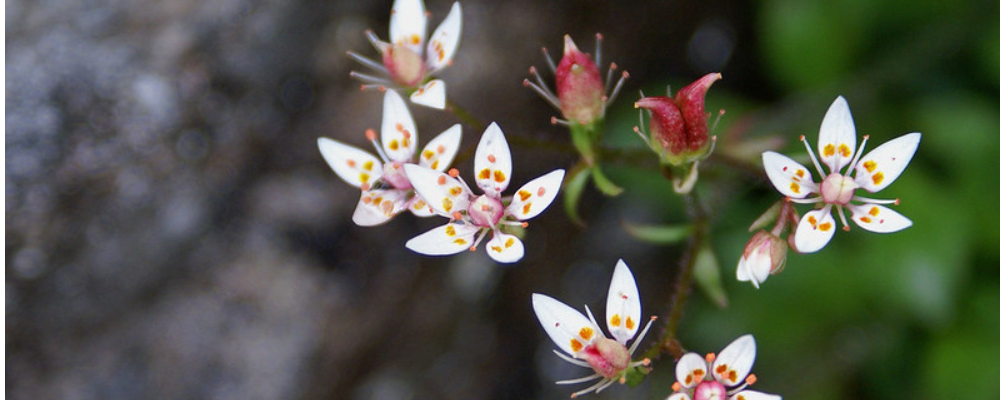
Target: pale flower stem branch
(464, 116)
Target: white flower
(725, 377)
(409, 61)
(582, 338)
(874, 172)
(449, 196)
(385, 189)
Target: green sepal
(576, 182)
(635, 374)
(658, 234)
(706, 274)
(604, 184)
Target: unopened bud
(763, 256)
(579, 86)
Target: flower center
(607, 357)
(710, 390)
(405, 66)
(486, 211)
(393, 173)
(837, 189)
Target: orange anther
(456, 215)
(524, 224)
(370, 134)
(453, 173)
(751, 379)
(710, 357)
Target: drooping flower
(724, 377)
(873, 172)
(472, 215)
(580, 92)
(409, 61)
(763, 256)
(584, 342)
(385, 188)
(678, 126)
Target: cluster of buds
(409, 61)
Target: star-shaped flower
(722, 377)
(873, 172)
(582, 338)
(385, 189)
(409, 61)
(450, 196)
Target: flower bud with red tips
(679, 125)
(579, 86)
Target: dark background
(172, 231)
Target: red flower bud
(680, 125)
(579, 85)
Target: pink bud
(607, 357)
(764, 255)
(579, 85)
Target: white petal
(691, 370)
(444, 41)
(815, 230)
(378, 206)
(430, 95)
(788, 176)
(419, 207)
(757, 265)
(535, 196)
(623, 308)
(753, 395)
(493, 163)
(744, 273)
(878, 218)
(444, 194)
(734, 362)
(399, 132)
(505, 248)
(447, 239)
(568, 328)
(408, 24)
(353, 165)
(440, 151)
(880, 167)
(679, 396)
(837, 137)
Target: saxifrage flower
(873, 172)
(724, 377)
(584, 342)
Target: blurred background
(172, 231)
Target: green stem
(682, 289)
(464, 116)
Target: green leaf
(573, 190)
(706, 273)
(658, 234)
(604, 184)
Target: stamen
(639, 131)
(599, 385)
(642, 335)
(618, 88)
(370, 135)
(456, 215)
(541, 82)
(605, 386)
(722, 111)
(548, 60)
(453, 172)
(587, 378)
(611, 71)
(876, 201)
(710, 357)
(813, 157)
(370, 79)
(482, 234)
(549, 97)
(377, 43)
(843, 219)
(751, 379)
(571, 360)
(367, 62)
(598, 39)
(557, 121)
(857, 155)
(810, 200)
